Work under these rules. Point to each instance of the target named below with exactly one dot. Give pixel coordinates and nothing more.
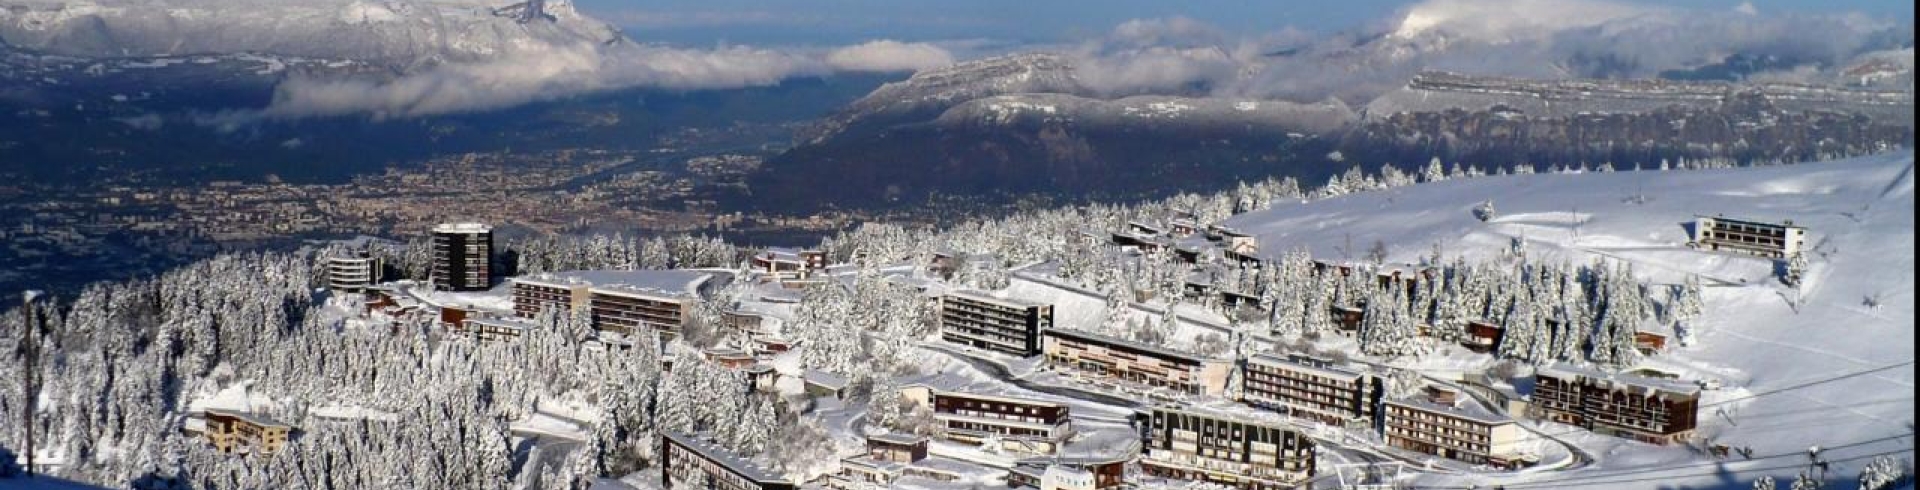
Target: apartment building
(353, 273)
(1192, 445)
(1075, 473)
(242, 432)
(1311, 388)
(619, 302)
(1438, 422)
(1163, 372)
(494, 329)
(1022, 424)
(1642, 408)
(684, 455)
(462, 257)
(1773, 240)
(1004, 325)
(787, 264)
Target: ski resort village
(1697, 325)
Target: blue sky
(706, 22)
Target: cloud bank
(1524, 38)
(532, 75)
(552, 72)
(887, 55)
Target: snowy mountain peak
(397, 32)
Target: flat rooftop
(674, 283)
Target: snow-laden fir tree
(1387, 329)
(1806, 481)
(1883, 473)
(1433, 171)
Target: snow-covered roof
(1296, 363)
(991, 298)
(462, 228)
(506, 323)
(674, 283)
(724, 458)
(1217, 414)
(1754, 222)
(1572, 372)
(985, 397)
(1136, 347)
(901, 439)
(825, 379)
(1462, 409)
(250, 417)
(1074, 460)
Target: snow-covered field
(1782, 367)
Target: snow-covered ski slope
(1778, 365)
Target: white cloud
(1511, 20)
(1524, 38)
(889, 56)
(528, 76)
(1147, 56)
(144, 122)
(1747, 8)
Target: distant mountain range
(1063, 123)
(1026, 123)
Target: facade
(1190, 445)
(787, 264)
(1646, 409)
(1439, 424)
(1310, 388)
(897, 448)
(626, 311)
(1483, 337)
(241, 432)
(1055, 473)
(495, 329)
(353, 273)
(860, 472)
(1023, 425)
(1104, 359)
(615, 302)
(684, 455)
(462, 257)
(1773, 240)
(1003, 325)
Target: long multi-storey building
(1437, 423)
(1021, 424)
(1311, 388)
(1776, 240)
(983, 321)
(1192, 445)
(353, 273)
(1103, 359)
(619, 302)
(685, 455)
(462, 257)
(1646, 409)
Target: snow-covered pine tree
(1883, 473)
(1433, 172)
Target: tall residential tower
(462, 253)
